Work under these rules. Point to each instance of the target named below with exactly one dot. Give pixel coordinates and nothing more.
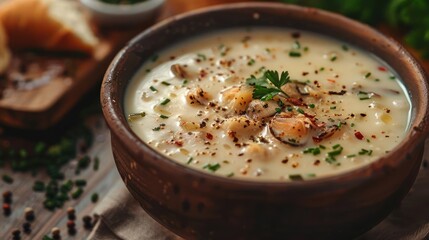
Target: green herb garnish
(135, 116)
(165, 101)
(269, 85)
(153, 89)
(212, 167)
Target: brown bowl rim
(417, 131)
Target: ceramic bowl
(196, 205)
(107, 14)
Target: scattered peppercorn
(7, 197)
(16, 234)
(87, 222)
(56, 233)
(6, 209)
(26, 227)
(29, 214)
(71, 227)
(71, 213)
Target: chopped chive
(7, 179)
(289, 109)
(311, 175)
(165, 83)
(332, 161)
(367, 75)
(148, 70)
(365, 152)
(351, 156)
(333, 58)
(212, 167)
(345, 47)
(377, 80)
(305, 49)
(67, 186)
(364, 95)
(392, 77)
(278, 110)
(230, 174)
(185, 82)
(76, 194)
(96, 163)
(190, 160)
(352, 125)
(135, 116)
(314, 151)
(294, 54)
(163, 116)
(80, 182)
(94, 197)
(251, 62)
(39, 186)
(333, 107)
(153, 89)
(296, 177)
(156, 129)
(165, 101)
(322, 146)
(201, 56)
(322, 69)
(311, 105)
(300, 111)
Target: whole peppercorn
(56, 233)
(26, 227)
(71, 213)
(29, 214)
(6, 209)
(71, 226)
(87, 222)
(16, 234)
(7, 197)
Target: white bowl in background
(109, 14)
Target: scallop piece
(241, 126)
(259, 110)
(198, 96)
(291, 129)
(237, 98)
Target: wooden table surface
(98, 181)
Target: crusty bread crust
(29, 26)
(4, 51)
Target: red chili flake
(178, 143)
(359, 135)
(381, 68)
(373, 136)
(209, 136)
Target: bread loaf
(4, 51)
(56, 25)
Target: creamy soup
(269, 104)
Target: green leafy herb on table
(410, 16)
(269, 85)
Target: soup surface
(269, 104)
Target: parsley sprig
(269, 84)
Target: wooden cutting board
(43, 106)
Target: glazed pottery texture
(197, 205)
